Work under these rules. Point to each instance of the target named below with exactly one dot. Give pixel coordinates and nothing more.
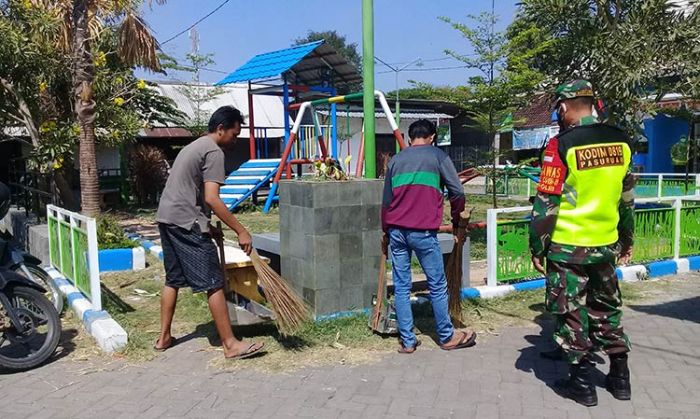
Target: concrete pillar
(330, 235)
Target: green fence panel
(66, 267)
(73, 250)
(510, 185)
(649, 188)
(678, 187)
(646, 188)
(690, 231)
(80, 256)
(500, 185)
(518, 186)
(653, 234)
(513, 256)
(654, 239)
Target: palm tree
(83, 20)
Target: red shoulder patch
(553, 170)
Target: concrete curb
(112, 260)
(110, 336)
(625, 273)
(148, 245)
(151, 248)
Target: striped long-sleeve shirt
(413, 186)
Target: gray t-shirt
(182, 203)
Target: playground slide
(242, 183)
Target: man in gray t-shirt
(189, 255)
(182, 203)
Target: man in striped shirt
(412, 208)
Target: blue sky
(404, 31)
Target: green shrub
(110, 235)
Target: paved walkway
(502, 377)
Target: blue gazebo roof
(305, 62)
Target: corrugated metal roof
(307, 64)
(269, 110)
(270, 64)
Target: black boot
(617, 382)
(579, 387)
(554, 355)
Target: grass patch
(255, 220)
(133, 299)
(636, 292)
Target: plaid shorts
(190, 258)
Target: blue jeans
(427, 248)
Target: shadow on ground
(686, 309)
(546, 370)
(208, 331)
(65, 347)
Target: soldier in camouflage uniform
(583, 223)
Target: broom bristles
(454, 282)
(290, 310)
(453, 269)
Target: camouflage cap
(574, 89)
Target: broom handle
(381, 285)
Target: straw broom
(453, 268)
(290, 309)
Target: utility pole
(194, 37)
(396, 71)
(368, 81)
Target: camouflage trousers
(586, 302)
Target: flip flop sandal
(464, 342)
(173, 342)
(404, 350)
(248, 353)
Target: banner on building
(529, 139)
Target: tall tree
(36, 92)
(197, 93)
(632, 51)
(137, 46)
(497, 88)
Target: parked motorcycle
(30, 327)
(14, 258)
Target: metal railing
(666, 184)
(32, 191)
(307, 147)
(669, 231)
(648, 185)
(73, 251)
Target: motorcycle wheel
(21, 351)
(42, 278)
